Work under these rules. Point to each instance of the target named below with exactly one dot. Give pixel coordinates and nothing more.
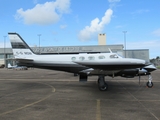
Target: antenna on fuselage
(110, 50)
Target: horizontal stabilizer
(20, 59)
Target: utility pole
(39, 43)
(5, 50)
(125, 41)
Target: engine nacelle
(129, 73)
(142, 71)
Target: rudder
(19, 46)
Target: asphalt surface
(36, 94)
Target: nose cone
(150, 68)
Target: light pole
(4, 50)
(125, 41)
(39, 43)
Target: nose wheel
(149, 83)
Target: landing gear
(149, 83)
(102, 85)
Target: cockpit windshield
(115, 56)
(120, 56)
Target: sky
(78, 22)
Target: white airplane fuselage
(110, 62)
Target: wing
(92, 71)
(112, 64)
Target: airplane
(99, 64)
(16, 67)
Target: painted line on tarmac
(31, 104)
(140, 102)
(98, 112)
(53, 89)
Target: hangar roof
(79, 49)
(71, 49)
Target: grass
(158, 67)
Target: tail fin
(19, 46)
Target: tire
(149, 85)
(103, 88)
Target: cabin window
(81, 58)
(91, 57)
(113, 56)
(101, 57)
(73, 58)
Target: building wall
(139, 54)
(1, 61)
(79, 49)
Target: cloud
(63, 26)
(35, 1)
(111, 1)
(44, 14)
(140, 11)
(95, 26)
(119, 26)
(156, 32)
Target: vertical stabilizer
(19, 46)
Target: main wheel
(149, 84)
(103, 88)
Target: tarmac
(37, 94)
